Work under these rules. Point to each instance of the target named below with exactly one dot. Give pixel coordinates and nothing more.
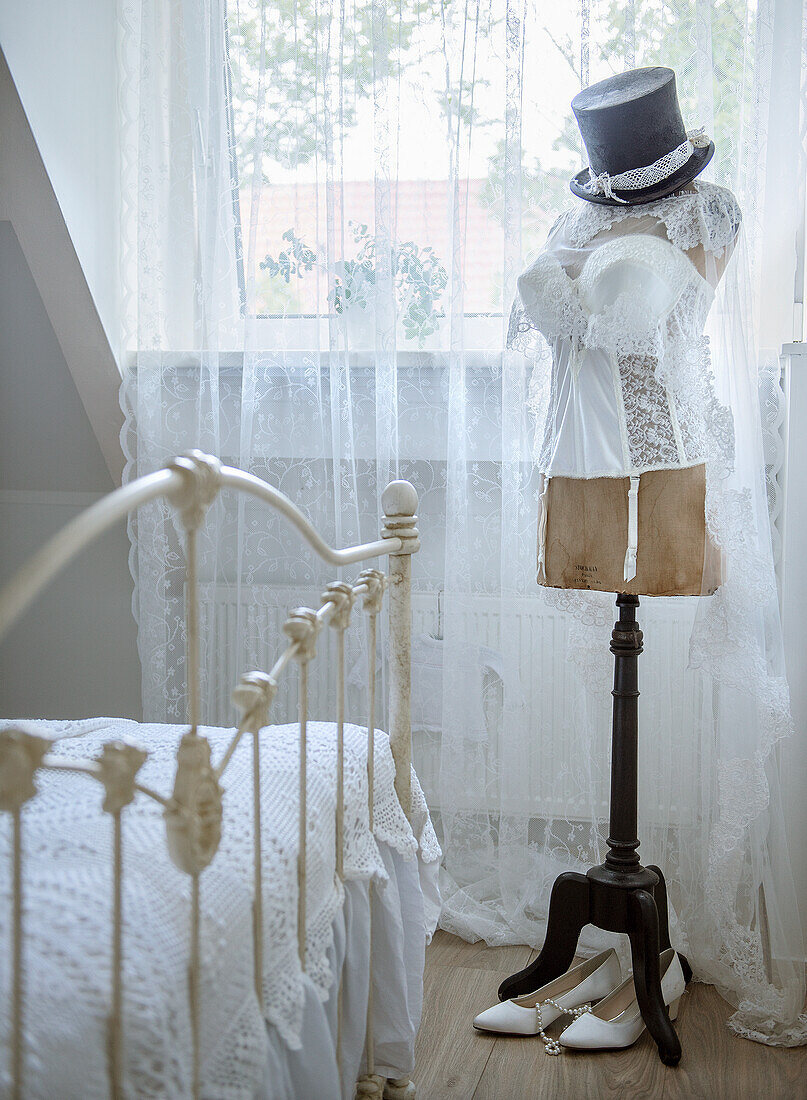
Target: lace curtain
(326, 207)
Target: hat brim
(693, 167)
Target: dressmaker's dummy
(638, 416)
(626, 407)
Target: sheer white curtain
(327, 205)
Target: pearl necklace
(553, 1046)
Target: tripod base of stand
(634, 902)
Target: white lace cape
(67, 845)
(739, 915)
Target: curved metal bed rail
(190, 481)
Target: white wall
(75, 654)
(62, 56)
(793, 754)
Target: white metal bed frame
(193, 811)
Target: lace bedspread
(67, 893)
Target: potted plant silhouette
(418, 278)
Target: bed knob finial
(193, 815)
(301, 628)
(341, 595)
(376, 583)
(201, 474)
(21, 753)
(400, 498)
(399, 501)
(400, 1088)
(120, 762)
(370, 1087)
(253, 696)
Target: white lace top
(614, 310)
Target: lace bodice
(618, 308)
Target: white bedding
(67, 892)
(398, 933)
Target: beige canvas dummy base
(587, 530)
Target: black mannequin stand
(620, 895)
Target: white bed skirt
(404, 910)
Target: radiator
(544, 779)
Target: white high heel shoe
(616, 1022)
(529, 1015)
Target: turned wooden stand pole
(619, 895)
(626, 645)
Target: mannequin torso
(627, 415)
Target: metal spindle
(399, 501)
(303, 820)
(372, 632)
(301, 627)
(116, 768)
(257, 897)
(339, 838)
(339, 830)
(192, 681)
(253, 696)
(202, 478)
(375, 583)
(192, 628)
(193, 983)
(21, 753)
(115, 1036)
(340, 596)
(16, 960)
(193, 818)
(372, 625)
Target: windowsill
(233, 361)
(483, 338)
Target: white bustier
(644, 268)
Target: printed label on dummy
(584, 575)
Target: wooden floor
(454, 1061)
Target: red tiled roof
(420, 211)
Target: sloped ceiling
(29, 202)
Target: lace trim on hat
(636, 179)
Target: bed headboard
(193, 809)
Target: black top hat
(638, 149)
